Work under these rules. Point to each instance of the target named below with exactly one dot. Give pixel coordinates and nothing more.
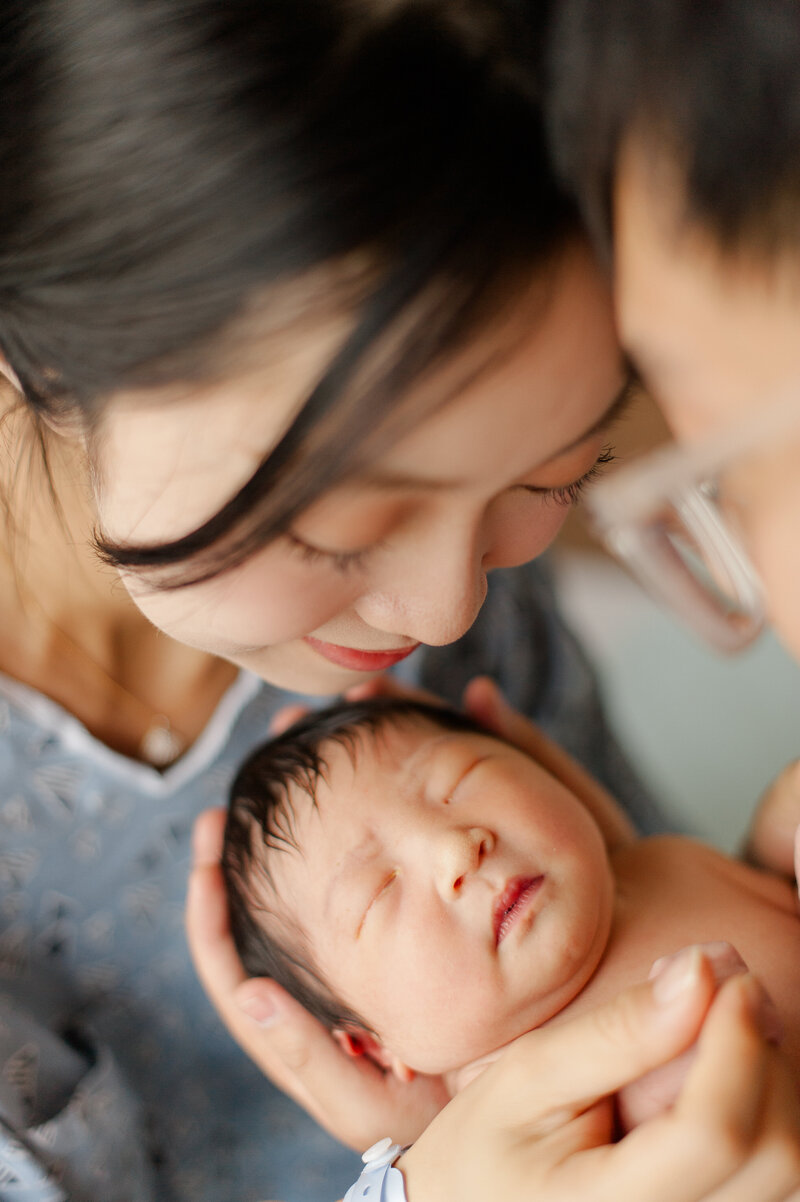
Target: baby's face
(451, 891)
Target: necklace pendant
(161, 745)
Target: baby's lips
(726, 962)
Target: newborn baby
(431, 893)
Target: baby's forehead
(398, 744)
(407, 748)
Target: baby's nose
(461, 852)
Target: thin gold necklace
(161, 744)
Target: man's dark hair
(172, 171)
(260, 821)
(715, 83)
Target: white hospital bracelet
(379, 1182)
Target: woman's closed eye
(570, 494)
(344, 562)
(350, 562)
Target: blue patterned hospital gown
(117, 1081)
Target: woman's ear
(68, 424)
(355, 1041)
(8, 371)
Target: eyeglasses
(668, 518)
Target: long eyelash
(341, 561)
(570, 494)
(350, 561)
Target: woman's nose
(432, 598)
(459, 854)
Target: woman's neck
(69, 627)
(46, 540)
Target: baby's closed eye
(380, 893)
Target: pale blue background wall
(706, 732)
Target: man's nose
(459, 853)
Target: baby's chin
(459, 1057)
(458, 1064)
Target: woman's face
(398, 555)
(717, 338)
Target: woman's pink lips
(512, 902)
(359, 661)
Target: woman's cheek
(522, 529)
(263, 602)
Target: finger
(377, 686)
(208, 835)
(551, 1075)
(593, 1128)
(286, 717)
(352, 1097)
(772, 1172)
(726, 962)
(389, 686)
(298, 1054)
(771, 839)
(696, 1152)
(723, 957)
(731, 1058)
(221, 971)
(207, 927)
(486, 704)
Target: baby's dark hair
(260, 818)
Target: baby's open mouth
(512, 902)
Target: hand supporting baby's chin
(458, 1078)
(656, 1092)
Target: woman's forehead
(166, 464)
(714, 331)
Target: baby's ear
(355, 1041)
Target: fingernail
(674, 975)
(722, 957)
(260, 1009)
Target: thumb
(553, 1074)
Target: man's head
(415, 880)
(678, 125)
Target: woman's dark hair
(172, 168)
(715, 83)
(260, 824)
